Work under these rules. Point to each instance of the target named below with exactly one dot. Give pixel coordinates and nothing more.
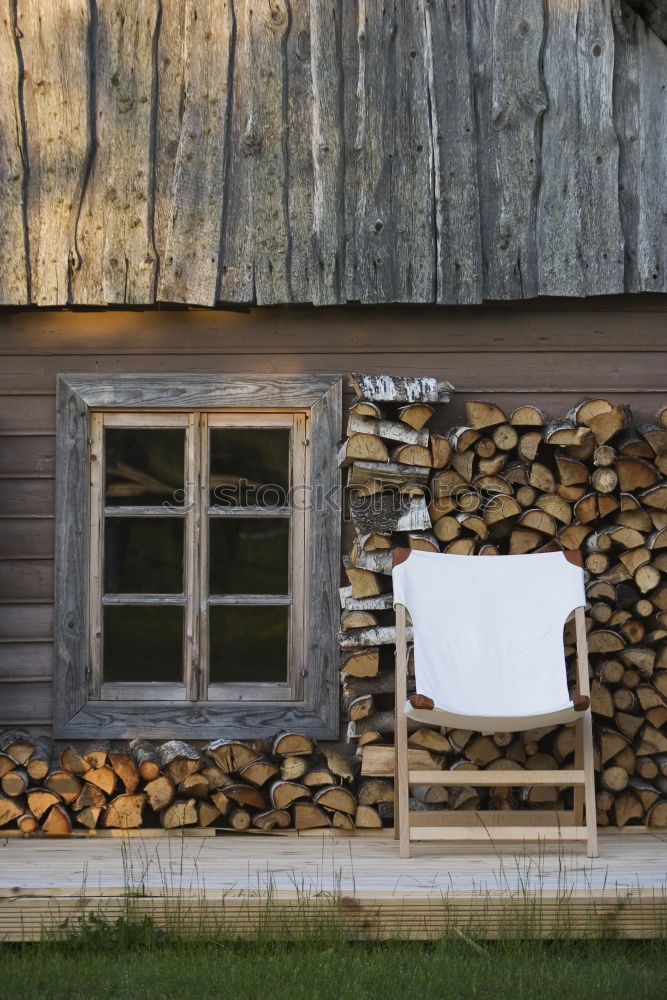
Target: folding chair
(488, 657)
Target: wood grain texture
(640, 62)
(326, 151)
(256, 239)
(54, 46)
(580, 241)
(14, 267)
(114, 230)
(190, 264)
(511, 102)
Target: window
(196, 555)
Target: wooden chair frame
(578, 824)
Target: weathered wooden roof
(326, 151)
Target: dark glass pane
(143, 555)
(248, 556)
(144, 467)
(249, 466)
(248, 644)
(143, 644)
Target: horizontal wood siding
(511, 354)
(329, 151)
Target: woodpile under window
(511, 484)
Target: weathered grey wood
(454, 152)
(190, 265)
(389, 204)
(14, 287)
(114, 236)
(420, 152)
(54, 48)
(328, 145)
(299, 192)
(511, 98)
(70, 687)
(579, 237)
(171, 72)
(256, 238)
(198, 390)
(79, 712)
(639, 96)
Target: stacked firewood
(518, 484)
(287, 784)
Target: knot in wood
(251, 143)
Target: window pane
(143, 555)
(248, 556)
(248, 644)
(144, 467)
(249, 466)
(143, 644)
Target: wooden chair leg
(401, 793)
(589, 788)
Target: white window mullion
(202, 593)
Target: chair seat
(559, 715)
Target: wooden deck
(234, 884)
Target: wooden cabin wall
(549, 354)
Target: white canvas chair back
(488, 656)
(488, 636)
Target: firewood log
(656, 815)
(284, 793)
(389, 430)
(15, 782)
(361, 663)
(193, 786)
(16, 743)
(319, 777)
(124, 811)
(104, 777)
(40, 800)
(336, 799)
(339, 765)
(367, 818)
(37, 766)
(364, 447)
(66, 785)
(90, 797)
(375, 790)
(232, 755)
(178, 759)
(57, 821)
(309, 816)
(222, 803)
(207, 813)
(480, 414)
(7, 763)
(271, 819)
(159, 792)
(245, 795)
(10, 809)
(26, 823)
(181, 813)
(72, 761)
(365, 408)
(397, 389)
(416, 414)
(125, 767)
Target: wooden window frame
(79, 712)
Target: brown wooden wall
(539, 353)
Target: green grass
(128, 961)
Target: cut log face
(336, 799)
(245, 795)
(293, 745)
(126, 768)
(232, 755)
(284, 793)
(179, 814)
(272, 819)
(67, 786)
(147, 760)
(309, 816)
(124, 812)
(10, 810)
(104, 777)
(40, 800)
(57, 822)
(178, 759)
